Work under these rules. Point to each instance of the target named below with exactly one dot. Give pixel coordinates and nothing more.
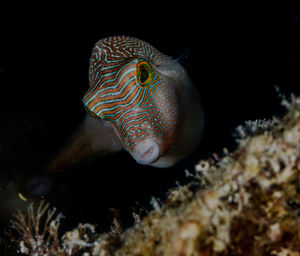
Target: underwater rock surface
(246, 203)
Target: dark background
(235, 54)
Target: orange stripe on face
(121, 100)
(113, 93)
(100, 86)
(132, 120)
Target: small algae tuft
(36, 232)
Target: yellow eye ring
(144, 73)
(91, 113)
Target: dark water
(237, 53)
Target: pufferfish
(139, 100)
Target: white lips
(146, 152)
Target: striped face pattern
(128, 90)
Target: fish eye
(144, 73)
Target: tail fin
(93, 136)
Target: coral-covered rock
(247, 203)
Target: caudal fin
(93, 136)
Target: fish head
(130, 90)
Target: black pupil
(144, 75)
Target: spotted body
(141, 100)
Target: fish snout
(146, 152)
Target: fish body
(141, 100)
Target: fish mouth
(146, 152)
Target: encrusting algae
(247, 203)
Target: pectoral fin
(94, 136)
